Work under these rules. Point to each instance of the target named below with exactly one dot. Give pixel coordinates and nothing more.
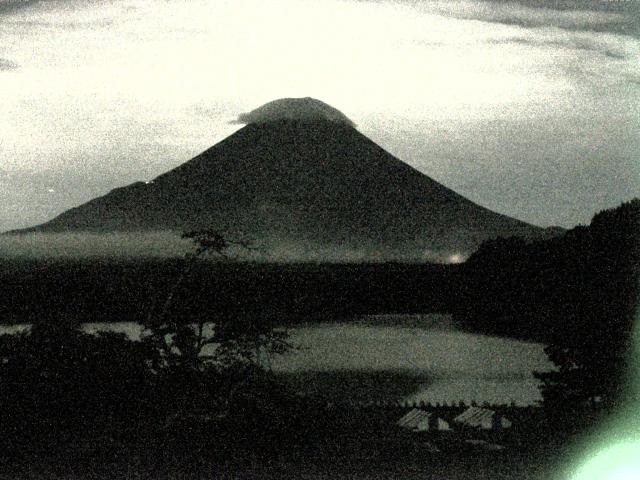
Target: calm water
(426, 355)
(400, 357)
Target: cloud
(604, 16)
(611, 49)
(62, 24)
(6, 64)
(302, 109)
(10, 6)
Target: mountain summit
(300, 179)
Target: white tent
(483, 418)
(422, 421)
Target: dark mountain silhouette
(299, 173)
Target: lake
(400, 358)
(411, 358)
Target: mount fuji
(299, 176)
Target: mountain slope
(319, 183)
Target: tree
(57, 379)
(210, 359)
(591, 345)
(576, 293)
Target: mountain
(299, 176)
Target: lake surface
(412, 358)
(400, 357)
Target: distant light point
(456, 258)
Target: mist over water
(79, 245)
(170, 244)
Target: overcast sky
(530, 108)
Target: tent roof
(413, 417)
(475, 416)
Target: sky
(530, 108)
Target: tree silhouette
(56, 380)
(576, 293)
(209, 359)
(592, 343)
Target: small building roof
(414, 418)
(422, 420)
(476, 417)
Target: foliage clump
(59, 381)
(577, 293)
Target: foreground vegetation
(78, 405)
(577, 293)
